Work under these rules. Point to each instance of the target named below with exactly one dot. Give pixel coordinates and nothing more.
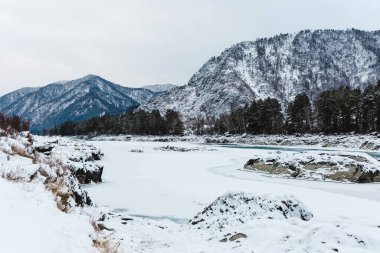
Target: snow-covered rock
(278, 67)
(233, 209)
(182, 149)
(364, 142)
(318, 165)
(76, 155)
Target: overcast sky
(140, 42)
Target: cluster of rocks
(342, 167)
(366, 142)
(137, 151)
(182, 149)
(232, 238)
(41, 165)
(79, 157)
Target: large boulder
(234, 209)
(335, 166)
(88, 173)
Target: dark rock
(237, 237)
(103, 227)
(252, 162)
(96, 156)
(82, 199)
(368, 177)
(86, 176)
(293, 167)
(137, 151)
(44, 148)
(223, 240)
(102, 218)
(196, 222)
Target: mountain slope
(74, 100)
(279, 67)
(158, 88)
(14, 96)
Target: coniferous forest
(338, 111)
(139, 123)
(342, 110)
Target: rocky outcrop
(79, 157)
(342, 167)
(233, 238)
(62, 182)
(87, 176)
(235, 209)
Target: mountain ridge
(74, 100)
(280, 67)
(158, 88)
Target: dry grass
(57, 183)
(13, 175)
(21, 152)
(105, 246)
(61, 195)
(102, 242)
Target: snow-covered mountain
(73, 100)
(279, 67)
(14, 96)
(158, 88)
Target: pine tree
(299, 115)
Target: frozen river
(177, 185)
(375, 154)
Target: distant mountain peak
(90, 76)
(74, 100)
(279, 67)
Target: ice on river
(177, 185)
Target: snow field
(170, 188)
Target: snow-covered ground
(169, 188)
(31, 222)
(173, 197)
(41, 199)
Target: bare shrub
(102, 242)
(15, 175)
(21, 152)
(105, 246)
(61, 194)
